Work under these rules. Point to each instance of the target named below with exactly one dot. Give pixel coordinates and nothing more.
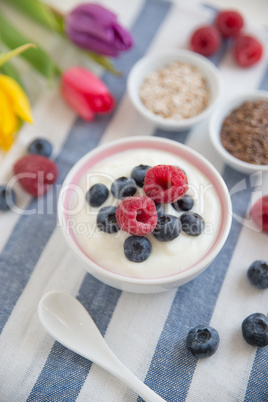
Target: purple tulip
(93, 27)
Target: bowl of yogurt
(170, 263)
(174, 89)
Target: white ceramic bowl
(115, 148)
(215, 125)
(154, 62)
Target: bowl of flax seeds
(174, 89)
(239, 131)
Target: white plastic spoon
(66, 319)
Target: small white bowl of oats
(174, 89)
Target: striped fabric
(146, 332)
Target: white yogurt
(166, 258)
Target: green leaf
(38, 58)
(36, 10)
(104, 62)
(10, 70)
(4, 57)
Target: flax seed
(244, 132)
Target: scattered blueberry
(183, 204)
(192, 223)
(138, 174)
(258, 274)
(7, 198)
(137, 248)
(97, 194)
(160, 209)
(40, 146)
(203, 341)
(255, 330)
(123, 187)
(168, 227)
(106, 220)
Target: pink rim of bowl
(137, 284)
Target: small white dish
(215, 125)
(154, 62)
(115, 148)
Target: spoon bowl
(67, 321)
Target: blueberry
(168, 227)
(255, 330)
(203, 341)
(97, 194)
(183, 204)
(40, 146)
(258, 274)
(192, 223)
(137, 248)
(123, 187)
(160, 209)
(106, 220)
(138, 174)
(7, 198)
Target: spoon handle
(120, 371)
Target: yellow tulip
(14, 105)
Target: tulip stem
(105, 62)
(4, 57)
(59, 16)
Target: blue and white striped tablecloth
(146, 332)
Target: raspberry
(205, 40)
(165, 183)
(247, 50)
(137, 215)
(259, 213)
(35, 173)
(229, 23)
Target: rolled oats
(177, 92)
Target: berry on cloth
(35, 174)
(40, 146)
(258, 274)
(205, 40)
(97, 194)
(7, 198)
(192, 223)
(137, 248)
(137, 215)
(255, 330)
(168, 227)
(247, 50)
(165, 183)
(229, 23)
(202, 341)
(123, 187)
(106, 220)
(183, 204)
(138, 174)
(259, 213)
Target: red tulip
(86, 93)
